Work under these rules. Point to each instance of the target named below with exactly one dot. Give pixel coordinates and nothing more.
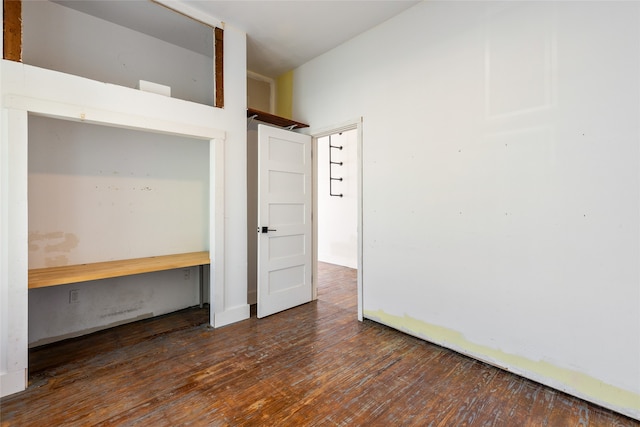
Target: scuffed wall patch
(567, 380)
(82, 332)
(56, 245)
(122, 311)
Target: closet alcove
(99, 193)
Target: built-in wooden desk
(54, 276)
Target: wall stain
(56, 245)
(36, 237)
(567, 380)
(70, 242)
(56, 261)
(118, 312)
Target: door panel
(284, 220)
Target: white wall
(99, 193)
(500, 182)
(49, 93)
(62, 39)
(337, 216)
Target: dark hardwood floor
(314, 365)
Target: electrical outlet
(74, 296)
(187, 273)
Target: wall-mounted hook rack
(331, 163)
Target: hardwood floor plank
(313, 365)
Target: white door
(284, 220)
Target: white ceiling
(281, 35)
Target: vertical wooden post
(219, 66)
(12, 30)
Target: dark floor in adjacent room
(314, 365)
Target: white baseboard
(13, 382)
(231, 315)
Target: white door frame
(317, 134)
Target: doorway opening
(338, 210)
(349, 254)
(337, 199)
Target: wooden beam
(12, 15)
(219, 66)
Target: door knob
(267, 229)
